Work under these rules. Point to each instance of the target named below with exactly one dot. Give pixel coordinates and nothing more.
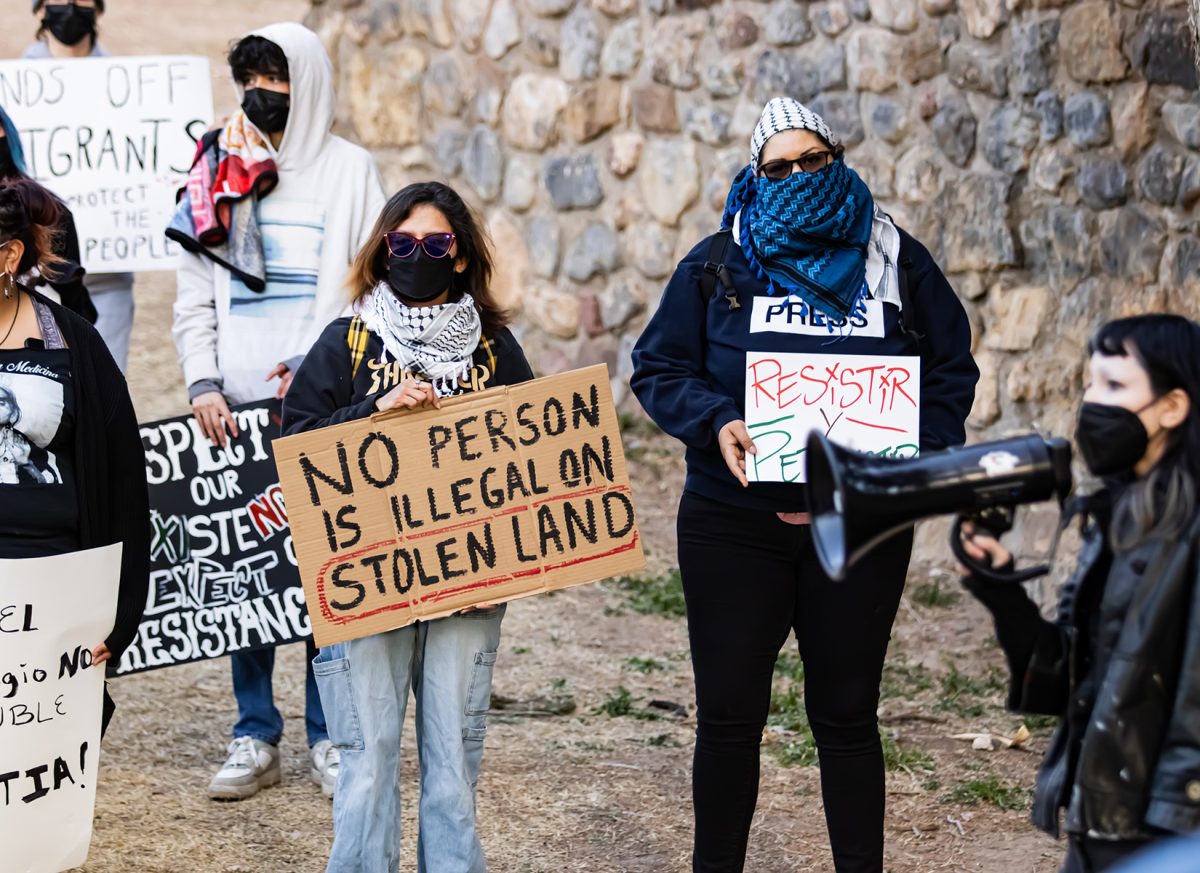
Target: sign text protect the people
(498, 495)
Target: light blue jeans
(364, 690)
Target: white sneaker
(251, 765)
(326, 757)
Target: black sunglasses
(809, 163)
(402, 245)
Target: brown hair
(30, 213)
(370, 264)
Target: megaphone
(858, 500)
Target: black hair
(30, 213)
(256, 54)
(1167, 347)
(370, 264)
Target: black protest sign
(223, 572)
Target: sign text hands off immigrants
(114, 138)
(869, 403)
(498, 495)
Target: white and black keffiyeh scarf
(434, 342)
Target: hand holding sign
(734, 441)
(409, 394)
(870, 403)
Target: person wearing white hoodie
(235, 337)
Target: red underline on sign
(475, 586)
(877, 426)
(333, 618)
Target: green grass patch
(991, 791)
(934, 594)
(1041, 722)
(644, 665)
(653, 595)
(637, 425)
(965, 694)
(789, 666)
(902, 680)
(906, 758)
(621, 705)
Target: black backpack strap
(908, 315)
(716, 273)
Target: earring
(9, 284)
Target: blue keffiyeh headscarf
(807, 234)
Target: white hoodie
(313, 223)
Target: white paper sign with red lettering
(870, 403)
(53, 612)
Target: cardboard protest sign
(870, 403)
(53, 612)
(115, 138)
(498, 495)
(223, 572)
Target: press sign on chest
(792, 315)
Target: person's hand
(734, 442)
(478, 607)
(410, 394)
(982, 548)
(284, 375)
(213, 415)
(100, 654)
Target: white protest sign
(53, 611)
(115, 138)
(870, 403)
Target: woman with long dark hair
(427, 327)
(807, 264)
(1120, 665)
(72, 471)
(67, 276)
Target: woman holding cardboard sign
(812, 298)
(427, 327)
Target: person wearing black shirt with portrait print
(72, 471)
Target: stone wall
(1048, 153)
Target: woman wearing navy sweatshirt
(806, 234)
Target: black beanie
(37, 4)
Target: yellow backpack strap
(488, 346)
(356, 341)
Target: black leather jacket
(1120, 666)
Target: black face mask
(419, 278)
(267, 110)
(1111, 439)
(69, 24)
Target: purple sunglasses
(402, 245)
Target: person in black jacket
(1121, 664)
(427, 327)
(807, 264)
(68, 273)
(72, 470)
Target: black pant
(1088, 855)
(749, 579)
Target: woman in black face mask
(427, 327)
(66, 29)
(1120, 666)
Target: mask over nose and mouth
(267, 110)
(70, 24)
(1111, 439)
(418, 277)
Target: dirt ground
(602, 788)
